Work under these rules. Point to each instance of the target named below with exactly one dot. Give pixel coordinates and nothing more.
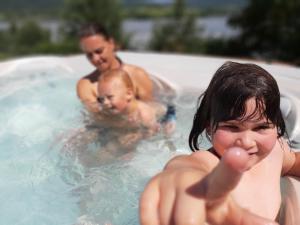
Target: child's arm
(196, 189)
(291, 160)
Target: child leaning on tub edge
(237, 180)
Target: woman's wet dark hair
(91, 29)
(224, 99)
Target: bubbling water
(49, 174)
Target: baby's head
(224, 99)
(115, 91)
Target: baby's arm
(196, 189)
(149, 120)
(129, 139)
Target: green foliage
(156, 12)
(4, 42)
(30, 35)
(23, 39)
(29, 38)
(20, 5)
(269, 29)
(150, 9)
(179, 34)
(62, 48)
(106, 12)
(147, 12)
(179, 9)
(21, 8)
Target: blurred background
(267, 30)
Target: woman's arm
(141, 81)
(87, 95)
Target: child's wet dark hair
(224, 99)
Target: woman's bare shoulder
(134, 69)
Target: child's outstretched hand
(186, 193)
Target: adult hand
(130, 139)
(169, 127)
(92, 106)
(190, 196)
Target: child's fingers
(224, 177)
(176, 205)
(218, 185)
(229, 212)
(248, 218)
(189, 210)
(227, 174)
(237, 215)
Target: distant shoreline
(141, 29)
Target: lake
(141, 30)
(208, 27)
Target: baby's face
(256, 135)
(113, 96)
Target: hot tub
(43, 124)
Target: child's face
(113, 96)
(256, 135)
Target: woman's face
(99, 51)
(256, 135)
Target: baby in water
(119, 108)
(120, 123)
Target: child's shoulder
(205, 157)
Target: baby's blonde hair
(117, 74)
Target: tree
(29, 35)
(106, 12)
(23, 38)
(179, 34)
(269, 29)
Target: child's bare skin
(237, 181)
